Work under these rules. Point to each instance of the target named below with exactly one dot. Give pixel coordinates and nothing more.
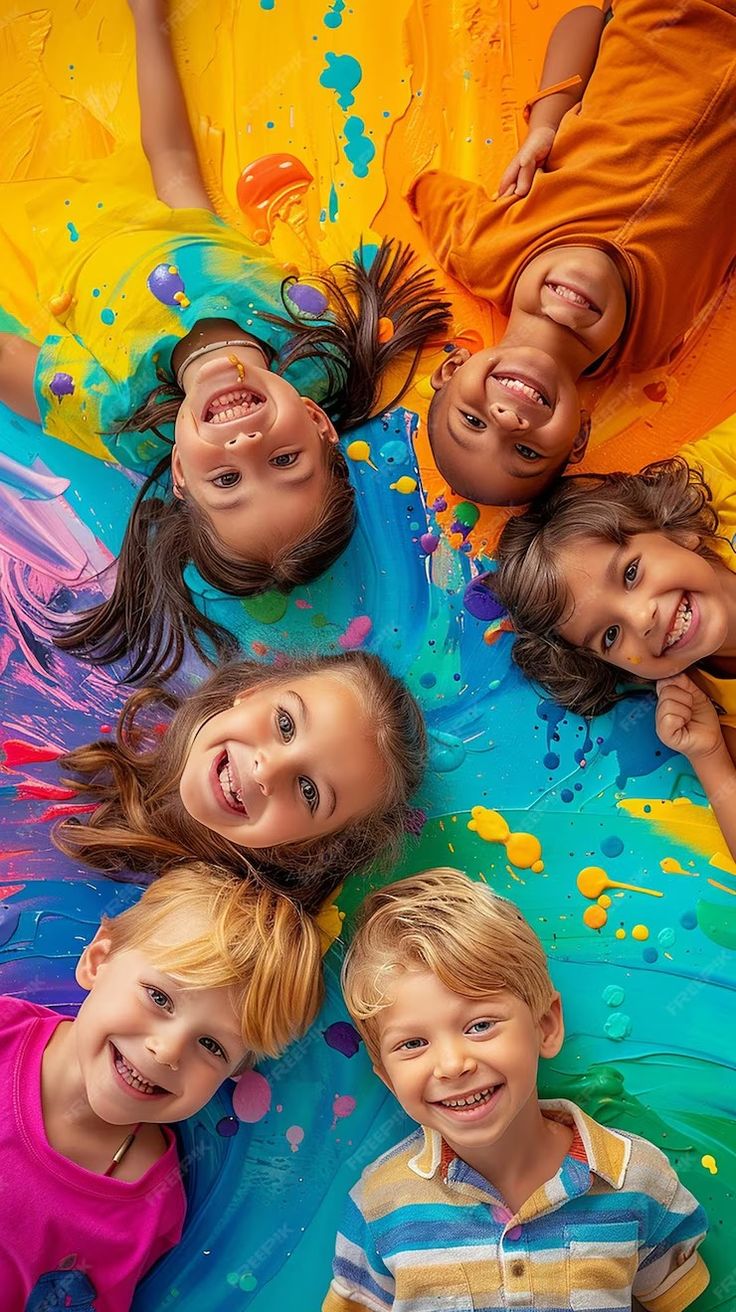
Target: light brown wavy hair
(150, 616)
(256, 943)
(140, 823)
(667, 497)
(474, 941)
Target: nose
(643, 615)
(453, 1058)
(243, 439)
(165, 1047)
(267, 770)
(508, 418)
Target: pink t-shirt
(69, 1237)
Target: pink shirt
(69, 1237)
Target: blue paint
(334, 205)
(333, 17)
(73, 234)
(650, 955)
(688, 920)
(612, 846)
(267, 4)
(359, 149)
(428, 680)
(633, 739)
(342, 75)
(551, 761)
(446, 751)
(567, 795)
(107, 316)
(395, 453)
(95, 292)
(552, 714)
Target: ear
(551, 1029)
(688, 539)
(325, 426)
(580, 445)
(383, 1077)
(451, 363)
(94, 956)
(177, 476)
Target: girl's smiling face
(652, 607)
(288, 762)
(250, 451)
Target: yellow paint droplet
(488, 825)
(404, 485)
(620, 933)
(59, 305)
(360, 450)
(329, 922)
(182, 300)
(604, 901)
(538, 867)
(634, 660)
(710, 1163)
(640, 932)
(233, 359)
(523, 850)
(386, 329)
(173, 269)
(595, 917)
(593, 880)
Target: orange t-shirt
(643, 169)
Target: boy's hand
(686, 719)
(517, 177)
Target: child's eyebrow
(612, 569)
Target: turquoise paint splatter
(334, 205)
(267, 4)
(342, 74)
(107, 316)
(359, 150)
(613, 995)
(73, 234)
(333, 18)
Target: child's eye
(158, 997)
(609, 637)
(631, 572)
(309, 792)
(526, 452)
(472, 420)
(481, 1026)
(410, 1045)
(213, 1046)
(285, 725)
(285, 459)
(231, 479)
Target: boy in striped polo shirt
(497, 1200)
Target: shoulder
(385, 1184)
(18, 1014)
(648, 1170)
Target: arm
(571, 53)
(687, 722)
(17, 368)
(165, 132)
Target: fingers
(508, 179)
(673, 695)
(525, 178)
(677, 681)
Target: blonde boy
(498, 1200)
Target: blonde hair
(255, 943)
(474, 941)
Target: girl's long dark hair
(150, 616)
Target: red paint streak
(20, 753)
(7, 890)
(51, 792)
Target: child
(300, 772)
(498, 1200)
(622, 240)
(636, 572)
(184, 989)
(208, 336)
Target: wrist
(549, 112)
(714, 765)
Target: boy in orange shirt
(603, 258)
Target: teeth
(516, 385)
(132, 1076)
(472, 1101)
(228, 788)
(568, 294)
(681, 624)
(232, 405)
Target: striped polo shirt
(424, 1232)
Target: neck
(529, 1153)
(569, 353)
(72, 1127)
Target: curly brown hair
(668, 496)
(140, 823)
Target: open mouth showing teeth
(521, 388)
(132, 1077)
(235, 404)
(230, 785)
(472, 1100)
(681, 623)
(568, 294)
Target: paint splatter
(640, 933)
(343, 1105)
(523, 850)
(618, 1026)
(356, 632)
(709, 1162)
(308, 300)
(404, 485)
(342, 74)
(333, 17)
(61, 385)
(251, 1097)
(268, 608)
(294, 1136)
(595, 917)
(343, 1037)
(613, 995)
(429, 542)
(165, 283)
(360, 451)
(593, 880)
(73, 234)
(359, 150)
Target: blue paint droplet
(428, 680)
(333, 18)
(95, 292)
(73, 234)
(343, 1037)
(567, 795)
(650, 954)
(333, 204)
(446, 752)
(341, 74)
(267, 4)
(481, 602)
(359, 150)
(612, 846)
(107, 316)
(578, 788)
(647, 809)
(227, 1127)
(270, 124)
(387, 113)
(666, 937)
(551, 761)
(688, 920)
(395, 453)
(307, 299)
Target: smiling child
(205, 974)
(624, 236)
(498, 1200)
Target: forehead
(415, 992)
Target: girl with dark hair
(299, 774)
(254, 370)
(637, 573)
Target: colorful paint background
(365, 96)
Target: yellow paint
(604, 901)
(693, 826)
(404, 485)
(640, 933)
(59, 305)
(620, 933)
(360, 450)
(233, 359)
(723, 887)
(523, 850)
(710, 1163)
(671, 866)
(595, 917)
(329, 923)
(488, 825)
(538, 867)
(593, 880)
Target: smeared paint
(15, 752)
(251, 1097)
(356, 633)
(343, 1037)
(342, 74)
(360, 451)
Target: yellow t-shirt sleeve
(681, 1289)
